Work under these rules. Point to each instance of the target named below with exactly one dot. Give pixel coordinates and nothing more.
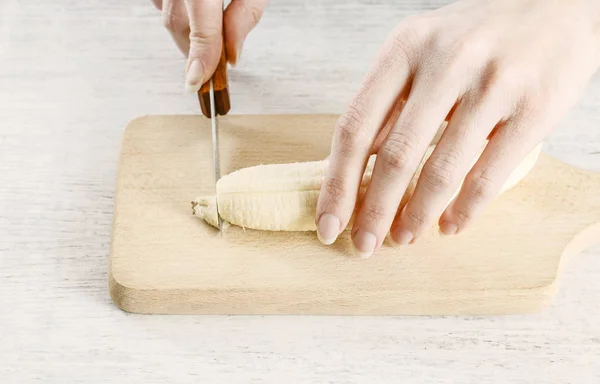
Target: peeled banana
(283, 197)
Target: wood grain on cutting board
(164, 260)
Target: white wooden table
(73, 73)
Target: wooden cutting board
(164, 260)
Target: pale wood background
(73, 73)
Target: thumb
(206, 21)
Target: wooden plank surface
(74, 73)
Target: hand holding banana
(500, 70)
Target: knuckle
(374, 212)
(451, 57)
(438, 173)
(479, 186)
(207, 34)
(397, 153)
(504, 76)
(334, 190)
(507, 78)
(408, 36)
(350, 128)
(471, 47)
(528, 108)
(519, 128)
(415, 218)
(463, 215)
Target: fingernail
(448, 227)
(194, 76)
(328, 228)
(364, 244)
(402, 236)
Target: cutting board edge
(476, 302)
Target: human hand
(196, 27)
(507, 70)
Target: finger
(175, 20)
(353, 137)
(158, 4)
(206, 41)
(393, 117)
(390, 120)
(442, 173)
(506, 149)
(241, 16)
(428, 104)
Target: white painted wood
(73, 73)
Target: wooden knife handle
(222, 105)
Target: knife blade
(214, 101)
(214, 122)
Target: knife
(214, 101)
